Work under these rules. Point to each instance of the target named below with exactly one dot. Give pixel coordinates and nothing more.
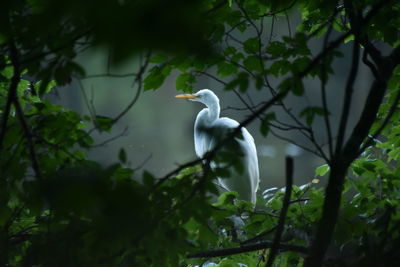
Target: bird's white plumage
(210, 129)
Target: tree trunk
(329, 216)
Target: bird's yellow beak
(187, 96)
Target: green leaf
(7, 72)
(349, 38)
(251, 45)
(184, 82)
(103, 123)
(264, 129)
(225, 69)
(45, 88)
(182, 63)
(259, 82)
(242, 81)
(123, 173)
(293, 84)
(156, 77)
(253, 63)
(299, 64)
(322, 170)
(148, 178)
(276, 49)
(230, 50)
(159, 58)
(226, 200)
(280, 67)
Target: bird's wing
(241, 150)
(242, 147)
(220, 130)
(252, 159)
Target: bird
(209, 130)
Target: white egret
(210, 129)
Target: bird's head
(205, 96)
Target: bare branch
(109, 140)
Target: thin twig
(109, 140)
(143, 163)
(138, 80)
(89, 104)
(297, 144)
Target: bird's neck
(213, 111)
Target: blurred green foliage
(79, 213)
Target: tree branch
(247, 248)
(324, 80)
(6, 112)
(282, 215)
(259, 236)
(348, 97)
(345, 156)
(340, 165)
(28, 136)
(20, 114)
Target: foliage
(57, 208)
